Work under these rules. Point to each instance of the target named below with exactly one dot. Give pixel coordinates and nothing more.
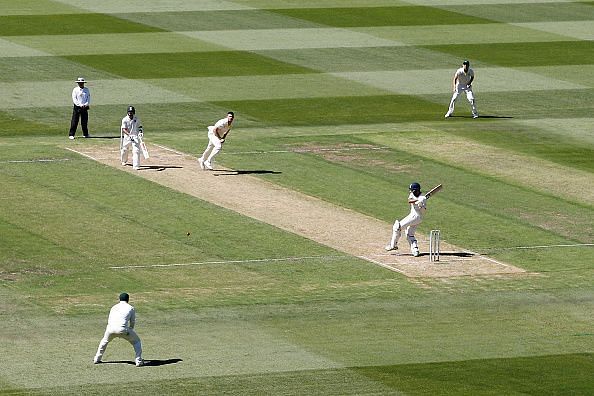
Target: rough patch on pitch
(339, 228)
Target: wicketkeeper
(131, 134)
(418, 207)
(121, 321)
(216, 137)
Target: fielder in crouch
(120, 323)
(131, 133)
(418, 207)
(216, 137)
(462, 82)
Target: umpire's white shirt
(464, 78)
(121, 316)
(81, 96)
(131, 125)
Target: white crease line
(387, 266)
(308, 150)
(229, 262)
(34, 161)
(81, 153)
(169, 149)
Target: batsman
(418, 206)
(131, 133)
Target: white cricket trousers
(135, 151)
(411, 223)
(469, 96)
(214, 146)
(127, 334)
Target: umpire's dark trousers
(83, 114)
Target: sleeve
(87, 97)
(74, 96)
(132, 318)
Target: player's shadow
(159, 168)
(102, 137)
(147, 362)
(453, 254)
(481, 116)
(247, 172)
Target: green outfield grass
(241, 307)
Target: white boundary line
(269, 260)
(539, 247)
(34, 161)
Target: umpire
(81, 97)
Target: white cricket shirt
(418, 208)
(464, 78)
(223, 126)
(132, 125)
(121, 315)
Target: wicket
(434, 237)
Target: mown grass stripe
(271, 39)
(27, 25)
(189, 64)
(113, 43)
(524, 54)
(380, 16)
(528, 12)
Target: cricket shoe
(201, 163)
(475, 115)
(416, 253)
(208, 165)
(139, 363)
(390, 248)
(96, 360)
(448, 114)
(71, 137)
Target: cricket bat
(434, 190)
(145, 152)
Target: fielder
(462, 82)
(216, 137)
(120, 323)
(131, 133)
(418, 207)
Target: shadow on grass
(159, 168)
(481, 116)
(147, 362)
(103, 137)
(247, 172)
(452, 254)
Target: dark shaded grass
(338, 110)
(33, 25)
(524, 54)
(524, 12)
(381, 16)
(189, 64)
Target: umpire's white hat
(80, 80)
